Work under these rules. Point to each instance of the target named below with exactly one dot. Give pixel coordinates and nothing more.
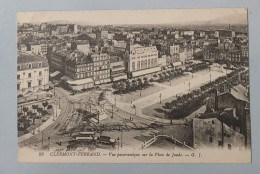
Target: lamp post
(112, 111)
(160, 96)
(59, 102)
(54, 90)
(140, 91)
(56, 108)
(189, 86)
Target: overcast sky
(131, 16)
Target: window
(29, 75)
(40, 82)
(19, 67)
(29, 84)
(133, 66)
(40, 64)
(18, 76)
(212, 121)
(229, 147)
(30, 66)
(219, 143)
(18, 86)
(210, 139)
(40, 73)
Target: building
(32, 73)
(58, 60)
(117, 68)
(141, 60)
(174, 49)
(92, 35)
(102, 34)
(101, 66)
(35, 48)
(210, 132)
(43, 26)
(81, 45)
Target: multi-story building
(58, 60)
(101, 66)
(44, 47)
(79, 66)
(43, 26)
(117, 68)
(32, 73)
(212, 133)
(102, 34)
(35, 48)
(81, 45)
(141, 60)
(174, 49)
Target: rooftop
(28, 58)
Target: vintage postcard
(133, 86)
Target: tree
(39, 110)
(134, 84)
(45, 104)
(146, 83)
(25, 110)
(49, 107)
(140, 83)
(128, 86)
(121, 87)
(115, 86)
(34, 107)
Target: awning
(116, 78)
(54, 74)
(80, 82)
(146, 71)
(176, 64)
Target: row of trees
(128, 86)
(167, 75)
(188, 103)
(27, 117)
(196, 67)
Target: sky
(160, 16)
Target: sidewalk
(42, 127)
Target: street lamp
(160, 96)
(112, 111)
(59, 102)
(56, 107)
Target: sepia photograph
(133, 86)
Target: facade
(212, 133)
(32, 73)
(102, 34)
(58, 60)
(141, 60)
(79, 66)
(117, 69)
(101, 66)
(35, 48)
(81, 45)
